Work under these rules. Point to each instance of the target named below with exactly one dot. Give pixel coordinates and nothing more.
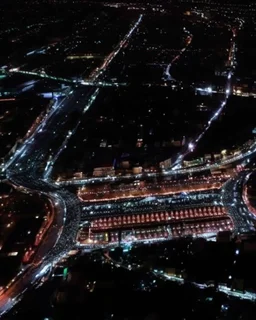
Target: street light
(191, 146)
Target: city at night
(128, 160)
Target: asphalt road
(233, 200)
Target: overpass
(66, 80)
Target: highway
(59, 239)
(232, 198)
(23, 170)
(63, 117)
(27, 276)
(29, 169)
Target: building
(103, 171)
(166, 164)
(208, 157)
(194, 162)
(137, 170)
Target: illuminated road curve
(167, 76)
(232, 199)
(22, 171)
(14, 290)
(58, 240)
